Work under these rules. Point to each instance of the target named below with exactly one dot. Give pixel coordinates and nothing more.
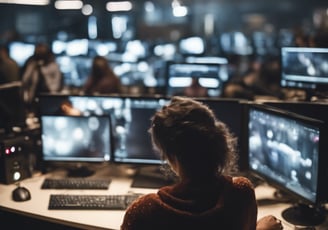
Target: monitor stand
(304, 215)
(79, 170)
(151, 177)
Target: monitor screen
(130, 121)
(75, 69)
(195, 79)
(12, 108)
(15, 51)
(77, 47)
(287, 151)
(304, 68)
(192, 46)
(75, 138)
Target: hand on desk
(269, 223)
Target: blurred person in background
(41, 74)
(102, 79)
(9, 69)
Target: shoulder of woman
(242, 183)
(145, 203)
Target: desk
(37, 207)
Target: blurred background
(137, 37)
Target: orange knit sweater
(227, 204)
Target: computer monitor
(192, 46)
(288, 151)
(12, 108)
(231, 112)
(182, 76)
(21, 51)
(75, 69)
(77, 47)
(130, 121)
(78, 141)
(304, 68)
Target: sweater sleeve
(138, 214)
(245, 195)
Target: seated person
(201, 151)
(102, 79)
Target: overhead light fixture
(68, 4)
(119, 6)
(87, 9)
(178, 9)
(26, 2)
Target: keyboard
(75, 183)
(91, 202)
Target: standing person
(41, 74)
(9, 69)
(201, 151)
(102, 79)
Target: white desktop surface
(37, 207)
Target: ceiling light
(26, 2)
(68, 4)
(119, 6)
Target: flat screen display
(304, 68)
(285, 149)
(75, 138)
(208, 77)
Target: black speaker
(14, 160)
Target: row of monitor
(301, 68)
(282, 142)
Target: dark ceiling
(230, 15)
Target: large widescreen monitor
(304, 68)
(202, 79)
(288, 151)
(76, 140)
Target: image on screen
(75, 138)
(131, 121)
(210, 77)
(304, 68)
(285, 149)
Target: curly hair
(188, 130)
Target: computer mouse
(21, 194)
